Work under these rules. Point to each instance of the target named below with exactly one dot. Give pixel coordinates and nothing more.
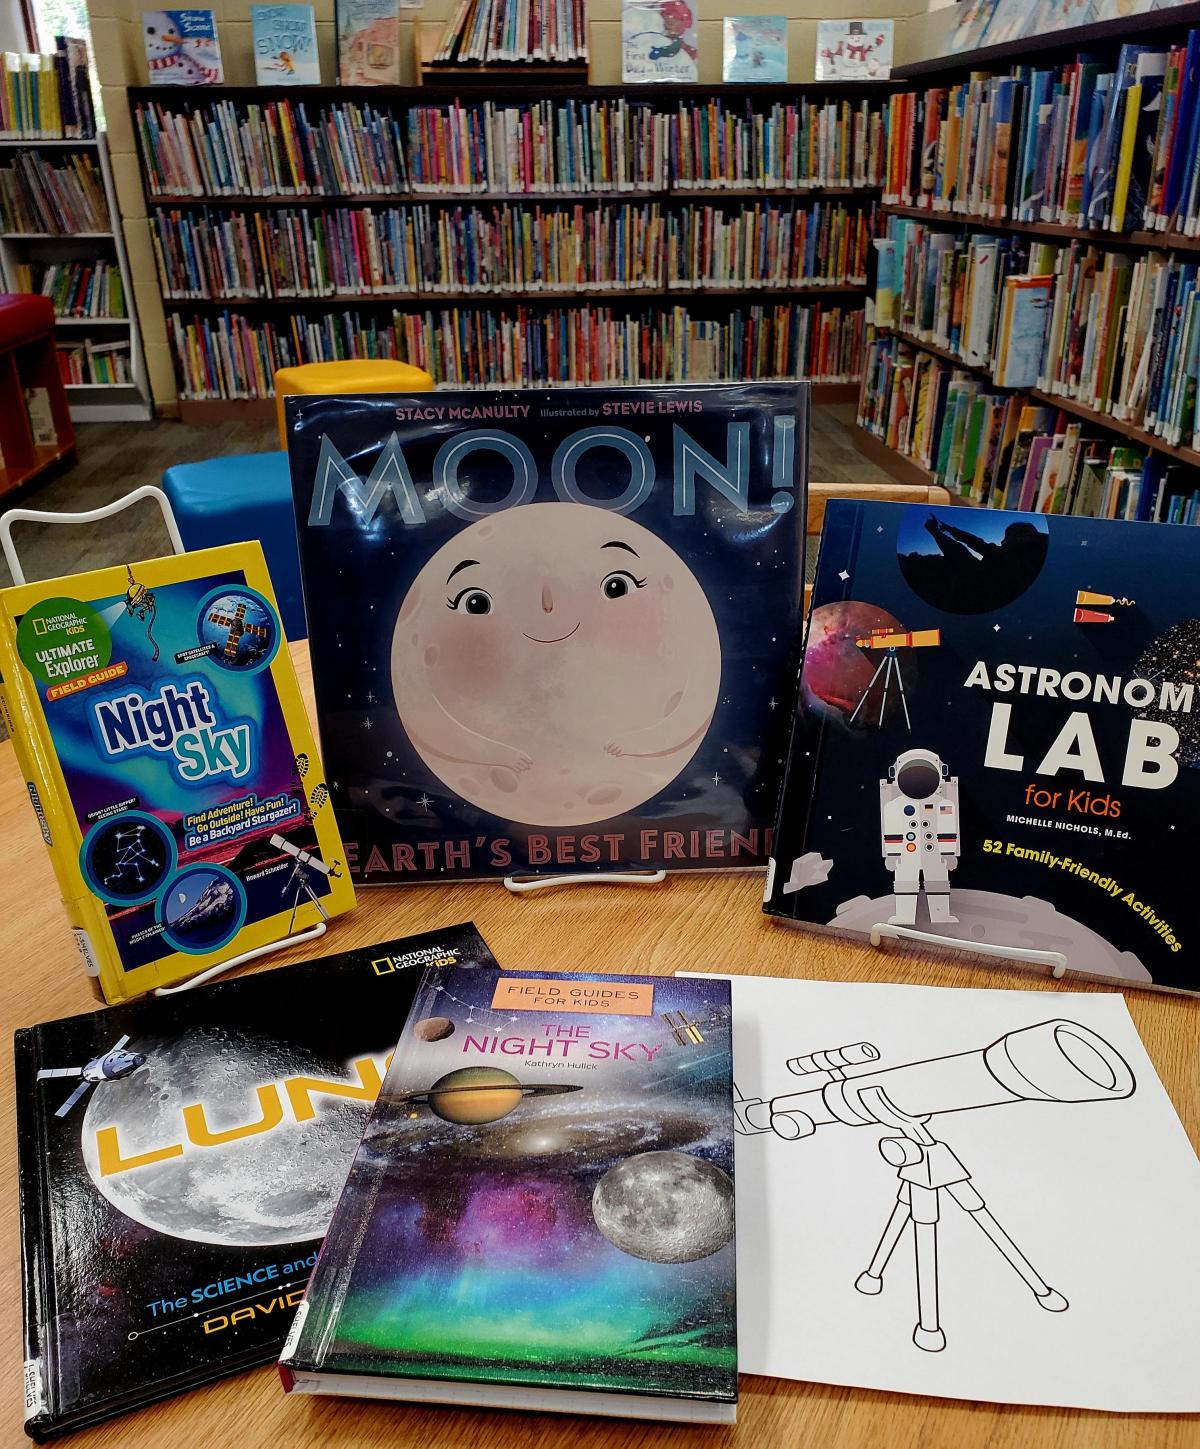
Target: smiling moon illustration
(556, 664)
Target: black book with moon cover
(541, 1212)
(179, 1160)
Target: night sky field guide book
(541, 1213)
(169, 761)
(537, 623)
(998, 737)
(179, 1160)
(285, 45)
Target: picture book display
(285, 45)
(854, 49)
(541, 1213)
(182, 47)
(755, 48)
(996, 737)
(659, 41)
(169, 761)
(368, 45)
(973, 1194)
(179, 1161)
(536, 627)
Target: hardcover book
(285, 45)
(996, 737)
(755, 48)
(368, 44)
(541, 1213)
(659, 41)
(182, 48)
(169, 761)
(538, 628)
(179, 1160)
(854, 49)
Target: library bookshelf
(839, 190)
(23, 253)
(1098, 42)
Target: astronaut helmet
(919, 773)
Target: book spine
(39, 1372)
(35, 757)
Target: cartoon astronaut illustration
(918, 804)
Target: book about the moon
(997, 738)
(179, 1160)
(552, 631)
(170, 763)
(541, 1212)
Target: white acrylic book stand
(94, 515)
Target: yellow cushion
(352, 375)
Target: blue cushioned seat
(248, 495)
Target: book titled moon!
(551, 631)
(541, 1212)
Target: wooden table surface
(691, 922)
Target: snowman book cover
(541, 1212)
(552, 631)
(182, 48)
(996, 738)
(179, 1161)
(170, 764)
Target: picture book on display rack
(997, 738)
(537, 624)
(541, 1213)
(179, 1160)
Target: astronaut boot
(939, 908)
(904, 912)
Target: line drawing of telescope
(887, 671)
(1053, 1061)
(298, 882)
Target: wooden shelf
(24, 142)
(461, 198)
(206, 411)
(91, 321)
(651, 96)
(56, 236)
(533, 297)
(1057, 231)
(45, 456)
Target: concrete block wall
(121, 62)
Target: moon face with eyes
(556, 664)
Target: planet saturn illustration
(472, 1095)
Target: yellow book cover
(168, 756)
(1133, 107)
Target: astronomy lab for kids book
(179, 1161)
(538, 628)
(541, 1212)
(998, 737)
(168, 757)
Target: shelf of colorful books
(1137, 27)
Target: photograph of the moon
(556, 664)
(433, 1028)
(278, 1186)
(667, 1207)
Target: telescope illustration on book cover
(1052, 1061)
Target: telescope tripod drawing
(1054, 1061)
(887, 671)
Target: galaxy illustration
(568, 1220)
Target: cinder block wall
(121, 62)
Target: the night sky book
(541, 1212)
(170, 763)
(552, 631)
(179, 1160)
(996, 739)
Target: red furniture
(28, 361)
